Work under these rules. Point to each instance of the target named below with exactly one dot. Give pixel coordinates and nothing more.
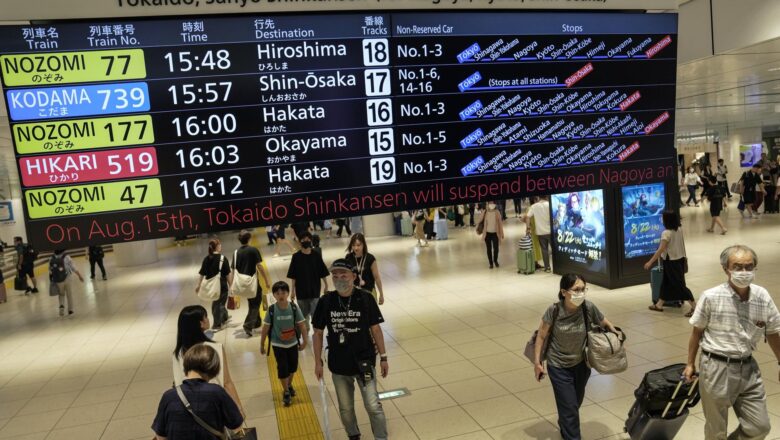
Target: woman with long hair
(671, 252)
(215, 264)
(193, 322)
(564, 325)
(368, 271)
(492, 232)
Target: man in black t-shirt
(248, 262)
(352, 318)
(307, 272)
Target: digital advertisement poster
(749, 154)
(578, 228)
(643, 208)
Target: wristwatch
(382, 358)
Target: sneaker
(35, 290)
(287, 398)
(248, 332)
(496, 263)
(92, 277)
(70, 312)
(105, 278)
(354, 437)
(547, 269)
(62, 310)
(292, 391)
(27, 290)
(491, 265)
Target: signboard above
(136, 129)
(58, 9)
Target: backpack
(57, 272)
(271, 310)
(30, 254)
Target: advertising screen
(749, 154)
(643, 208)
(578, 228)
(134, 129)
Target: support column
(729, 149)
(378, 225)
(137, 253)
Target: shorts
(286, 361)
(715, 208)
(748, 197)
(27, 270)
(280, 234)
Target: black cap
(341, 263)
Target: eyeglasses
(741, 267)
(582, 290)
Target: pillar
(378, 225)
(136, 253)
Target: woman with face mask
(492, 232)
(692, 181)
(671, 252)
(563, 330)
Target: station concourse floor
(454, 332)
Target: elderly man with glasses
(729, 322)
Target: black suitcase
(661, 406)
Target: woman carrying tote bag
(569, 372)
(215, 269)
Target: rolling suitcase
(656, 276)
(526, 263)
(440, 229)
(661, 406)
(406, 226)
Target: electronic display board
(643, 208)
(578, 229)
(135, 129)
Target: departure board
(136, 129)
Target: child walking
(285, 324)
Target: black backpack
(57, 272)
(271, 309)
(30, 254)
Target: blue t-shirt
(210, 402)
(283, 331)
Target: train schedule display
(130, 130)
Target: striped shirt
(733, 327)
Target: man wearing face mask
(352, 318)
(307, 272)
(728, 324)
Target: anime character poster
(578, 228)
(643, 207)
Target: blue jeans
(569, 388)
(345, 392)
(691, 194)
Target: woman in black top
(214, 264)
(368, 272)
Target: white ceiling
(733, 90)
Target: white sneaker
(62, 311)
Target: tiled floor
(454, 333)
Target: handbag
(240, 434)
(481, 226)
(54, 289)
(243, 285)
(530, 346)
(211, 288)
(604, 351)
(233, 303)
(685, 264)
(20, 283)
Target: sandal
(710, 230)
(655, 308)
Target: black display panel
(130, 130)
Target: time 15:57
(208, 93)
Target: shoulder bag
(243, 285)
(604, 351)
(211, 288)
(530, 346)
(227, 434)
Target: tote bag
(211, 289)
(244, 286)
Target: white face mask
(491, 206)
(577, 298)
(742, 278)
